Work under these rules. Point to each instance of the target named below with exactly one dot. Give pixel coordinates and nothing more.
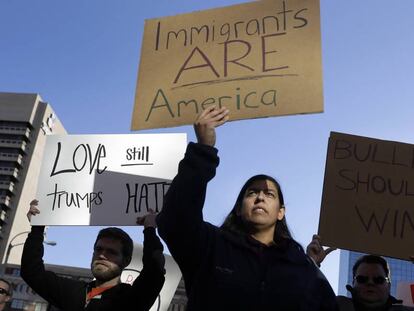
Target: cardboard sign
(405, 292)
(172, 277)
(105, 179)
(368, 196)
(258, 59)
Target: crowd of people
(250, 262)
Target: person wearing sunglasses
(371, 282)
(6, 291)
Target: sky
(82, 57)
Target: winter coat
(227, 271)
(352, 304)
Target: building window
(13, 271)
(20, 304)
(17, 304)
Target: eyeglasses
(4, 292)
(363, 279)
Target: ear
(281, 213)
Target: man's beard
(104, 273)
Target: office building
(179, 301)
(24, 298)
(25, 120)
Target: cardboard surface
(258, 59)
(368, 196)
(105, 179)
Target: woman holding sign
(251, 262)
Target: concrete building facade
(24, 298)
(179, 301)
(25, 120)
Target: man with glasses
(6, 291)
(371, 283)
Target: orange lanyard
(96, 291)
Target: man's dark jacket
(354, 304)
(227, 271)
(70, 295)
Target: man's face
(107, 260)
(371, 284)
(4, 293)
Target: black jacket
(354, 304)
(70, 295)
(227, 271)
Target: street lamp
(11, 245)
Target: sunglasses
(363, 279)
(4, 292)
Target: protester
(112, 253)
(371, 283)
(6, 293)
(251, 262)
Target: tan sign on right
(258, 59)
(368, 196)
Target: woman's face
(261, 206)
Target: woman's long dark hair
(234, 222)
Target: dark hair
(120, 235)
(234, 222)
(371, 259)
(10, 291)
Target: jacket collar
(288, 250)
(392, 301)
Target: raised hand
(316, 251)
(33, 209)
(148, 220)
(207, 121)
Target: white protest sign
(172, 277)
(105, 179)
